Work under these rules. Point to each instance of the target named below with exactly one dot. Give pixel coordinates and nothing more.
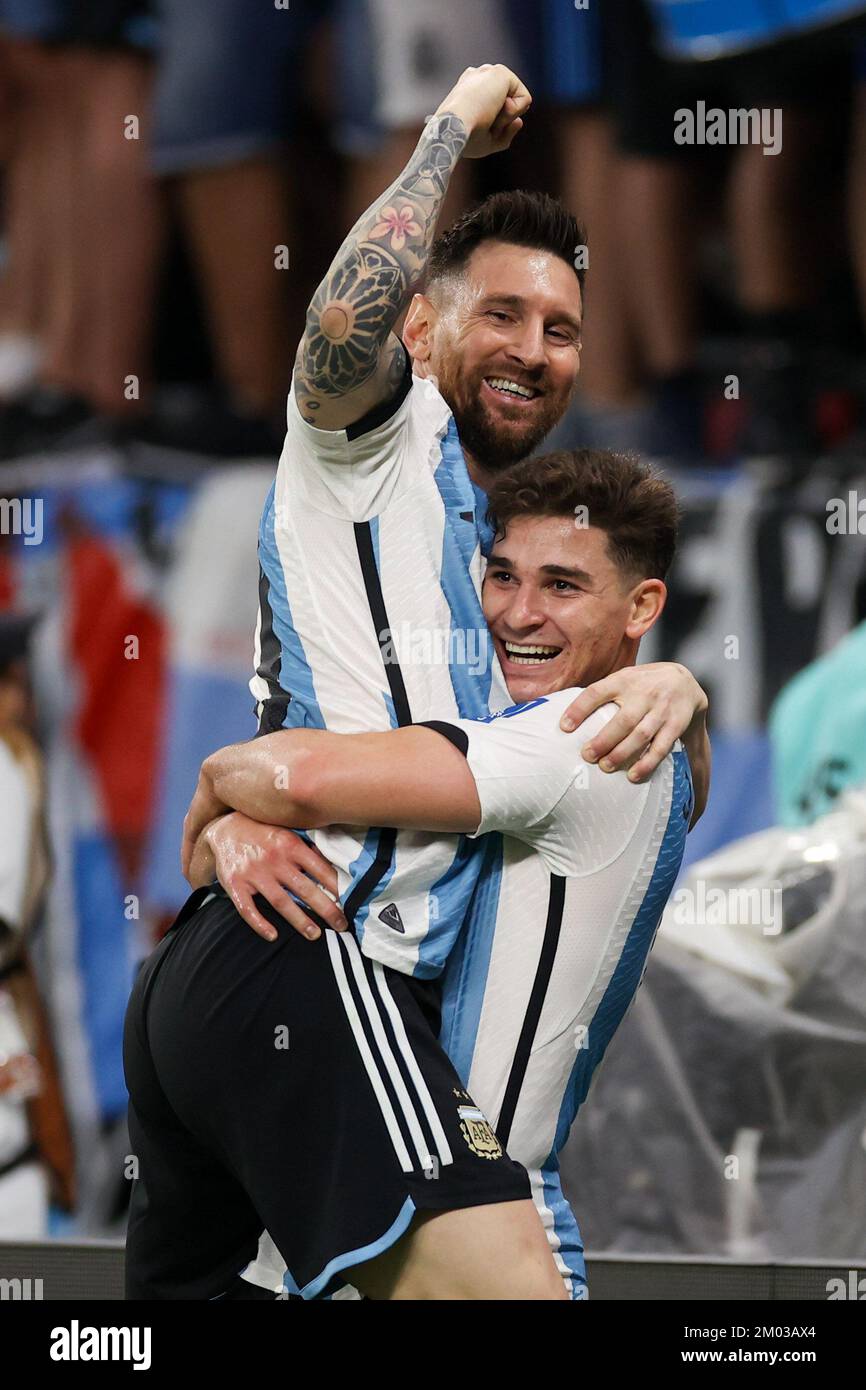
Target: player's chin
(511, 417)
(524, 689)
(513, 440)
(518, 434)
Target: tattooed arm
(349, 359)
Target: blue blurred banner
(706, 29)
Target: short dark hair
(528, 219)
(623, 496)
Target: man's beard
(496, 445)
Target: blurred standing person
(394, 58)
(857, 177)
(657, 212)
(562, 48)
(84, 217)
(770, 216)
(227, 101)
(28, 144)
(35, 1144)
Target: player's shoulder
(411, 398)
(545, 711)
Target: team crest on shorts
(477, 1132)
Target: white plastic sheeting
(729, 1116)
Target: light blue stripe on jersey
(471, 649)
(624, 982)
(357, 870)
(389, 705)
(466, 973)
(565, 1226)
(447, 905)
(296, 675)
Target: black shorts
(296, 1087)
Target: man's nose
(526, 611)
(528, 344)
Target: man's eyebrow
(558, 571)
(567, 572)
(516, 301)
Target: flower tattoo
(398, 224)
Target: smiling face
(504, 343)
(561, 611)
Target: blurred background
(175, 176)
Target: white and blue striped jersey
(371, 549)
(578, 865)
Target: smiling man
(375, 531)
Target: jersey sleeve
(534, 785)
(349, 474)
(350, 471)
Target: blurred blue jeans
(228, 77)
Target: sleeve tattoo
(350, 319)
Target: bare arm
(349, 359)
(308, 778)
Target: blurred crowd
(176, 174)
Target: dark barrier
(94, 1271)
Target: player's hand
(202, 869)
(203, 808)
(658, 703)
(491, 101)
(253, 858)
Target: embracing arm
(659, 702)
(247, 793)
(349, 359)
(406, 778)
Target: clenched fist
(491, 101)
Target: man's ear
(419, 324)
(647, 605)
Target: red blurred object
(119, 718)
(723, 427)
(7, 581)
(837, 414)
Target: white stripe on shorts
(425, 1158)
(445, 1155)
(353, 1016)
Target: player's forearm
(408, 778)
(264, 779)
(369, 284)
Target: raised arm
(349, 359)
